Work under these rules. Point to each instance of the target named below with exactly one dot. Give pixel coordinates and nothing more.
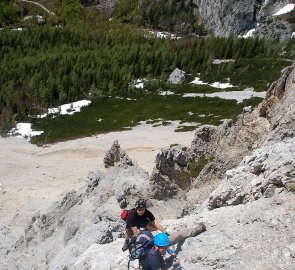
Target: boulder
(177, 76)
(171, 173)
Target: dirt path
(38, 4)
(33, 177)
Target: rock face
(222, 148)
(225, 18)
(256, 235)
(57, 238)
(171, 173)
(215, 149)
(270, 169)
(104, 6)
(228, 17)
(275, 26)
(278, 107)
(231, 17)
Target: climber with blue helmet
(154, 259)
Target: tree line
(170, 15)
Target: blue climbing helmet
(162, 240)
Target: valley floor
(32, 177)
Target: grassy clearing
(257, 72)
(119, 114)
(185, 128)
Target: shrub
(197, 166)
(291, 187)
(173, 144)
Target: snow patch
(165, 93)
(286, 9)
(24, 130)
(69, 108)
(125, 98)
(139, 83)
(221, 85)
(237, 95)
(198, 81)
(250, 33)
(159, 34)
(221, 61)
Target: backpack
(140, 246)
(124, 214)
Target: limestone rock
(93, 180)
(177, 76)
(232, 18)
(97, 233)
(261, 230)
(95, 257)
(116, 155)
(171, 173)
(274, 26)
(42, 226)
(269, 169)
(202, 141)
(125, 184)
(225, 18)
(256, 235)
(278, 107)
(70, 230)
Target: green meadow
(113, 114)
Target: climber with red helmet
(140, 217)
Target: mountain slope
(255, 230)
(225, 18)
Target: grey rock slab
(98, 233)
(177, 76)
(257, 235)
(268, 168)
